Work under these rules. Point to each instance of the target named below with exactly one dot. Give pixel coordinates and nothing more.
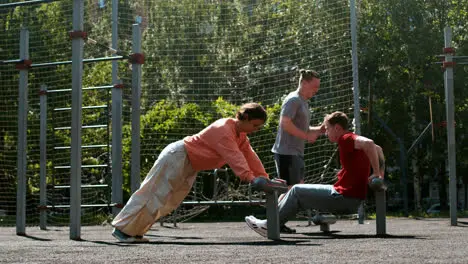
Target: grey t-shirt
(296, 108)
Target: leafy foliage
(246, 47)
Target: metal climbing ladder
(24, 65)
(101, 185)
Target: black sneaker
(122, 237)
(287, 230)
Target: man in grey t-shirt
(294, 130)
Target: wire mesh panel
(203, 59)
(8, 127)
(49, 24)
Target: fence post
(76, 120)
(117, 179)
(22, 135)
(136, 94)
(380, 212)
(357, 105)
(449, 104)
(43, 158)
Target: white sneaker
(257, 225)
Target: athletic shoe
(122, 237)
(287, 230)
(257, 225)
(325, 218)
(141, 239)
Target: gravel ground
(408, 241)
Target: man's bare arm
(371, 149)
(381, 160)
(287, 124)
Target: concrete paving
(408, 241)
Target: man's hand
(323, 130)
(312, 135)
(314, 132)
(376, 183)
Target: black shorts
(290, 168)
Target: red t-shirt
(355, 168)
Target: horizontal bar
(84, 127)
(255, 202)
(83, 166)
(32, 2)
(58, 63)
(83, 205)
(86, 146)
(453, 57)
(456, 62)
(11, 61)
(85, 88)
(82, 186)
(104, 59)
(84, 107)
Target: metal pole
(77, 73)
(354, 54)
(116, 157)
(273, 224)
(32, 2)
(136, 94)
(357, 105)
(115, 37)
(43, 158)
(380, 213)
(449, 103)
(58, 63)
(404, 176)
(22, 136)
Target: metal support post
(77, 100)
(43, 158)
(117, 179)
(451, 148)
(357, 104)
(404, 176)
(22, 136)
(354, 57)
(136, 94)
(381, 211)
(272, 215)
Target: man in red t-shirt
(357, 155)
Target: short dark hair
(253, 111)
(339, 118)
(308, 75)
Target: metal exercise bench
(273, 224)
(324, 220)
